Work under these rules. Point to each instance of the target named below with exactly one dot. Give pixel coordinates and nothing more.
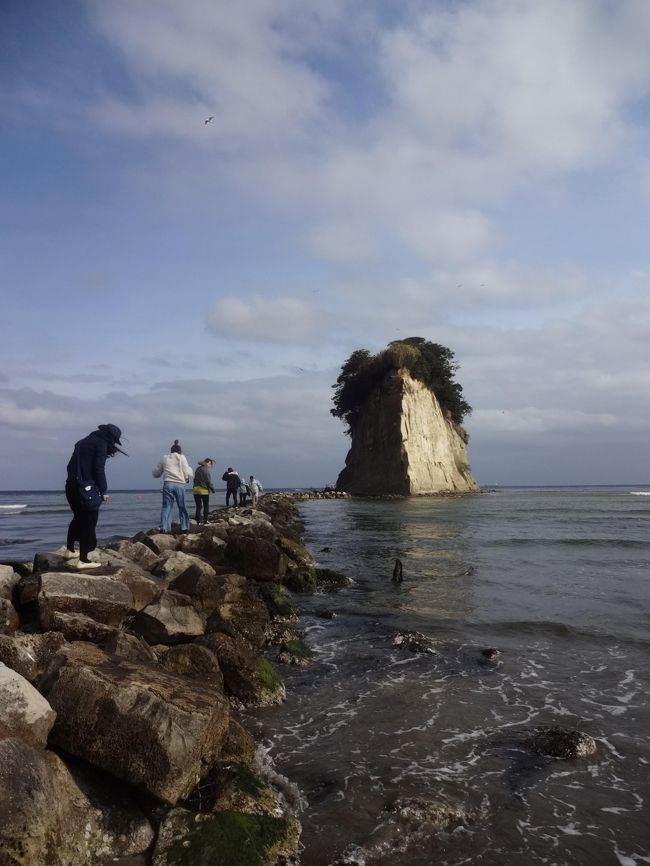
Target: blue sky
(476, 173)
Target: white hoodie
(174, 468)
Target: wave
(557, 629)
(583, 542)
(7, 542)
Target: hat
(114, 432)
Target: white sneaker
(83, 566)
(64, 553)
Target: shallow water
(559, 583)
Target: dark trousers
(201, 501)
(83, 523)
(232, 493)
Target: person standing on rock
(233, 482)
(255, 488)
(202, 488)
(176, 472)
(85, 490)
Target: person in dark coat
(233, 482)
(87, 464)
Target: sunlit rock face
(403, 444)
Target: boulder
(99, 597)
(251, 680)
(295, 652)
(329, 580)
(208, 591)
(296, 551)
(26, 596)
(209, 547)
(175, 562)
(9, 619)
(137, 552)
(77, 626)
(255, 557)
(170, 619)
(29, 654)
(225, 839)
(558, 742)
(138, 722)
(129, 647)
(164, 542)
(8, 580)
(24, 713)
(247, 614)
(233, 786)
(50, 818)
(192, 660)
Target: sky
(474, 172)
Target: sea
(557, 580)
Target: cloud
(275, 320)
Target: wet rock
(238, 744)
(175, 562)
(170, 619)
(247, 615)
(234, 786)
(249, 679)
(255, 557)
(51, 818)
(8, 580)
(26, 596)
(130, 647)
(328, 580)
(189, 839)
(326, 613)
(296, 551)
(490, 653)
(278, 602)
(326, 550)
(192, 660)
(559, 742)
(101, 598)
(9, 619)
(279, 632)
(29, 654)
(414, 641)
(140, 723)
(24, 712)
(302, 580)
(295, 652)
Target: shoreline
(121, 689)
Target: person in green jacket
(202, 488)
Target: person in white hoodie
(176, 472)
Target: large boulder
(204, 544)
(296, 551)
(225, 838)
(51, 818)
(170, 619)
(8, 580)
(77, 626)
(29, 654)
(140, 723)
(24, 712)
(193, 660)
(208, 591)
(99, 597)
(175, 562)
(249, 679)
(255, 557)
(137, 552)
(246, 613)
(130, 647)
(164, 542)
(9, 619)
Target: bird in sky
(209, 120)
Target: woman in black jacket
(87, 465)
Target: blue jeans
(173, 492)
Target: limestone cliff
(404, 444)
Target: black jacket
(232, 480)
(93, 451)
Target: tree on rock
(430, 363)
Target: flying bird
(209, 120)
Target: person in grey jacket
(202, 488)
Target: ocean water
(559, 581)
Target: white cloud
(274, 320)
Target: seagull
(209, 120)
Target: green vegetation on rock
(269, 676)
(430, 363)
(233, 839)
(297, 648)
